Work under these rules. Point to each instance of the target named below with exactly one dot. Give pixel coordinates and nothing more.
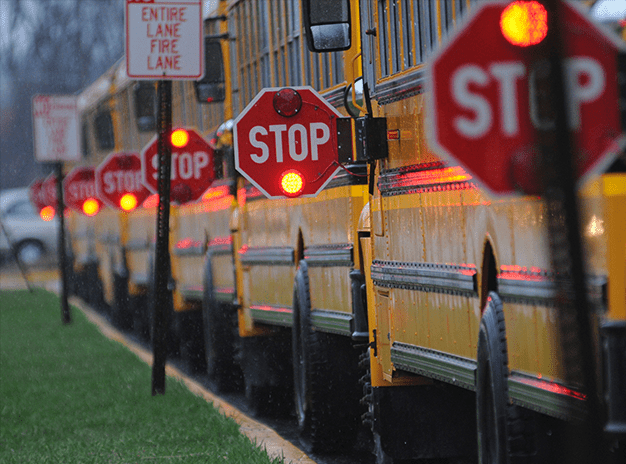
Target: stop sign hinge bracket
(371, 139)
(344, 140)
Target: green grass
(68, 394)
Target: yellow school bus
(464, 328)
(403, 297)
(97, 140)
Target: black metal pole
(65, 309)
(574, 316)
(162, 258)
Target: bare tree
(48, 47)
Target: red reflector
(524, 23)
(152, 201)
(291, 183)
(287, 102)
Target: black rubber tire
(326, 380)
(30, 253)
(219, 322)
(266, 366)
(500, 423)
(121, 315)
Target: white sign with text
(164, 39)
(56, 128)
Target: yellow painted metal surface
(614, 194)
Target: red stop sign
(486, 99)
(119, 182)
(272, 141)
(192, 168)
(36, 194)
(49, 191)
(79, 186)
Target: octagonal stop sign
(286, 142)
(49, 191)
(486, 98)
(119, 183)
(192, 167)
(36, 194)
(79, 191)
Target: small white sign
(56, 128)
(164, 39)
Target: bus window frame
(212, 87)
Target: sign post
(164, 41)
(56, 129)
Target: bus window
(327, 24)
(86, 142)
(211, 87)
(145, 106)
(104, 130)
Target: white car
(35, 240)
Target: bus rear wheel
(501, 424)
(325, 369)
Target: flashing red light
(291, 183)
(128, 202)
(524, 23)
(47, 213)
(91, 207)
(287, 102)
(179, 138)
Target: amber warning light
(524, 23)
(91, 207)
(47, 213)
(128, 202)
(180, 138)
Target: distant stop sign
(79, 191)
(192, 167)
(48, 192)
(486, 98)
(37, 195)
(286, 142)
(119, 183)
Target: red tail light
(524, 23)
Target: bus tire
(500, 423)
(219, 323)
(325, 378)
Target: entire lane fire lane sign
(164, 39)
(56, 128)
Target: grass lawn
(68, 394)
